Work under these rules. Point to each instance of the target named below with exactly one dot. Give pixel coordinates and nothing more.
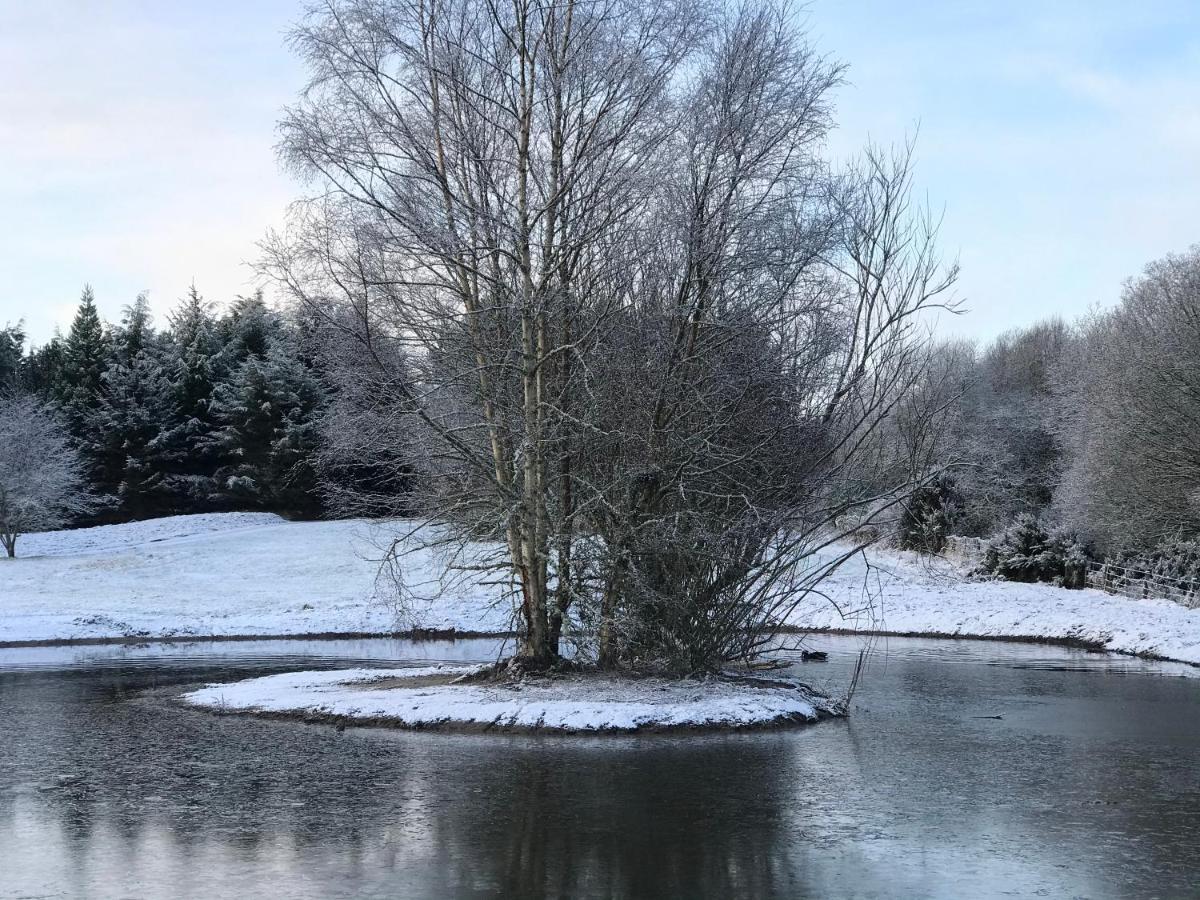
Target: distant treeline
(214, 411)
(1086, 433)
(1058, 435)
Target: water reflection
(619, 819)
(1086, 787)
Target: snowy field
(432, 697)
(902, 594)
(227, 574)
(250, 574)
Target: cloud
(136, 150)
(1063, 139)
(136, 142)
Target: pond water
(1088, 786)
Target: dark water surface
(1089, 786)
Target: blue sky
(1061, 139)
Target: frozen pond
(1088, 786)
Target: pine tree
(247, 331)
(42, 371)
(135, 407)
(79, 390)
(12, 351)
(187, 445)
(268, 435)
(85, 357)
(137, 329)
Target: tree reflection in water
(1087, 786)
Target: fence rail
(1139, 585)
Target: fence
(1140, 585)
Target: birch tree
(585, 262)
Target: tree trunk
(607, 649)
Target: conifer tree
(79, 391)
(42, 371)
(85, 357)
(268, 435)
(137, 329)
(134, 408)
(214, 412)
(248, 330)
(12, 349)
(186, 445)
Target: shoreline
(340, 721)
(413, 634)
(418, 635)
(248, 577)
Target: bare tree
(585, 263)
(41, 477)
(999, 439)
(1130, 412)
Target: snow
(107, 538)
(222, 575)
(253, 574)
(901, 593)
(434, 698)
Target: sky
(1059, 140)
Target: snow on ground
(432, 697)
(223, 574)
(107, 538)
(256, 574)
(904, 594)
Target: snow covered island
(457, 698)
(257, 575)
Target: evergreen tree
(137, 329)
(12, 349)
(247, 331)
(268, 435)
(136, 402)
(79, 390)
(42, 369)
(214, 412)
(134, 408)
(85, 357)
(187, 443)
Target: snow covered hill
(900, 593)
(257, 574)
(218, 574)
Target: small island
(473, 698)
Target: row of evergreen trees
(213, 412)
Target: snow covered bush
(927, 516)
(1026, 551)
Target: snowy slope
(219, 574)
(255, 574)
(107, 538)
(902, 594)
